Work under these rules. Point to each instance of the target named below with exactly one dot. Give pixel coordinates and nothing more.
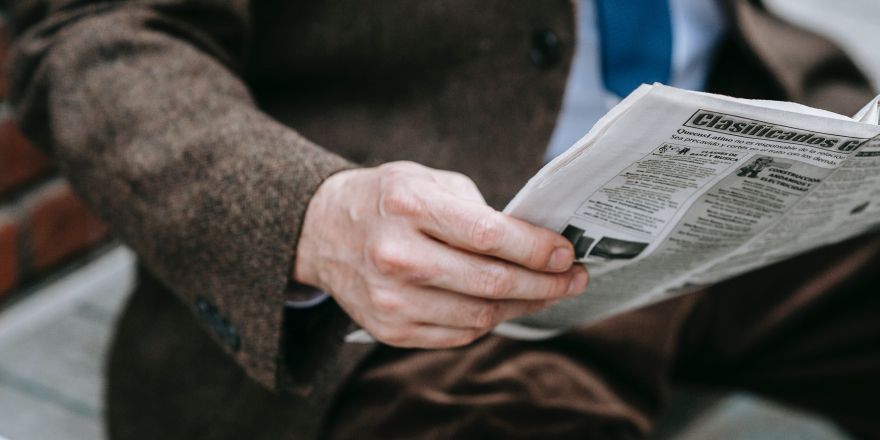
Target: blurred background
(63, 282)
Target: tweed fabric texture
(199, 129)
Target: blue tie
(636, 43)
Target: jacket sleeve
(142, 105)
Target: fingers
(426, 262)
(490, 278)
(427, 336)
(479, 228)
(449, 309)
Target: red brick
(60, 226)
(20, 161)
(3, 52)
(8, 255)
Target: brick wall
(43, 225)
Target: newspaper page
(674, 190)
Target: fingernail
(577, 282)
(561, 259)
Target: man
(164, 115)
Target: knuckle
(486, 233)
(397, 169)
(540, 252)
(488, 316)
(396, 336)
(469, 337)
(463, 180)
(459, 176)
(559, 286)
(398, 199)
(386, 302)
(495, 281)
(460, 339)
(401, 166)
(389, 259)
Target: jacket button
(546, 49)
(221, 327)
(230, 337)
(205, 308)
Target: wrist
(319, 213)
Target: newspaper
(673, 190)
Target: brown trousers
(805, 331)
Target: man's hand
(417, 258)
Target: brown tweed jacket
(199, 129)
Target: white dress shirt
(697, 28)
